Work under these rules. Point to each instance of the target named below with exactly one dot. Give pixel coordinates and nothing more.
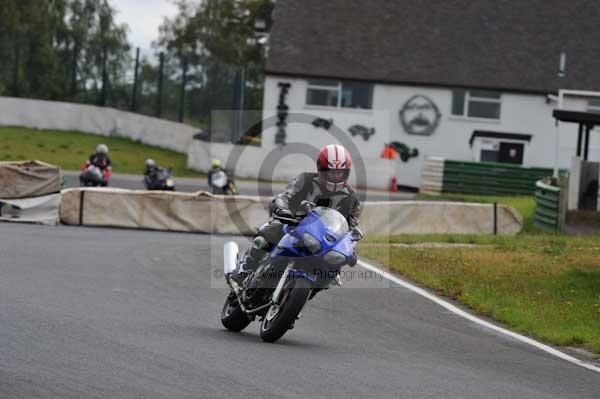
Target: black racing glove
(284, 213)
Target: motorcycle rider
(98, 162)
(216, 167)
(329, 187)
(151, 171)
(101, 159)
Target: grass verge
(70, 149)
(542, 285)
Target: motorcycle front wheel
(232, 316)
(280, 318)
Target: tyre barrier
(29, 192)
(203, 212)
(199, 212)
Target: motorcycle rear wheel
(280, 318)
(232, 316)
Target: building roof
(511, 45)
(582, 118)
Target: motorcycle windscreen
(92, 173)
(163, 174)
(333, 220)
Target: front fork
(277, 293)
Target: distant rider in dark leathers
(151, 172)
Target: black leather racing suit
(304, 187)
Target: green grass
(525, 205)
(70, 149)
(546, 286)
(543, 285)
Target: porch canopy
(585, 120)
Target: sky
(143, 17)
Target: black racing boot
(251, 258)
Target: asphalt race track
(244, 187)
(103, 313)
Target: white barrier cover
(205, 213)
(199, 212)
(28, 179)
(38, 210)
(438, 217)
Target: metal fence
(153, 84)
(180, 91)
(490, 178)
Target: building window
(333, 93)
(484, 104)
(594, 105)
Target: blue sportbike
(308, 259)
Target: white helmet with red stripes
(334, 165)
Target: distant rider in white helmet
(101, 159)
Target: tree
(216, 38)
(50, 48)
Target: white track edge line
(454, 309)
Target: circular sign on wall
(420, 115)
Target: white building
(473, 82)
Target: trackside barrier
(485, 178)
(549, 209)
(432, 176)
(29, 192)
(199, 212)
(205, 213)
(490, 178)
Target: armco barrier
(549, 208)
(206, 213)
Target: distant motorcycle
(161, 180)
(93, 176)
(221, 183)
(307, 260)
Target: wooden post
(134, 95)
(161, 72)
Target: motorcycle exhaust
(230, 257)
